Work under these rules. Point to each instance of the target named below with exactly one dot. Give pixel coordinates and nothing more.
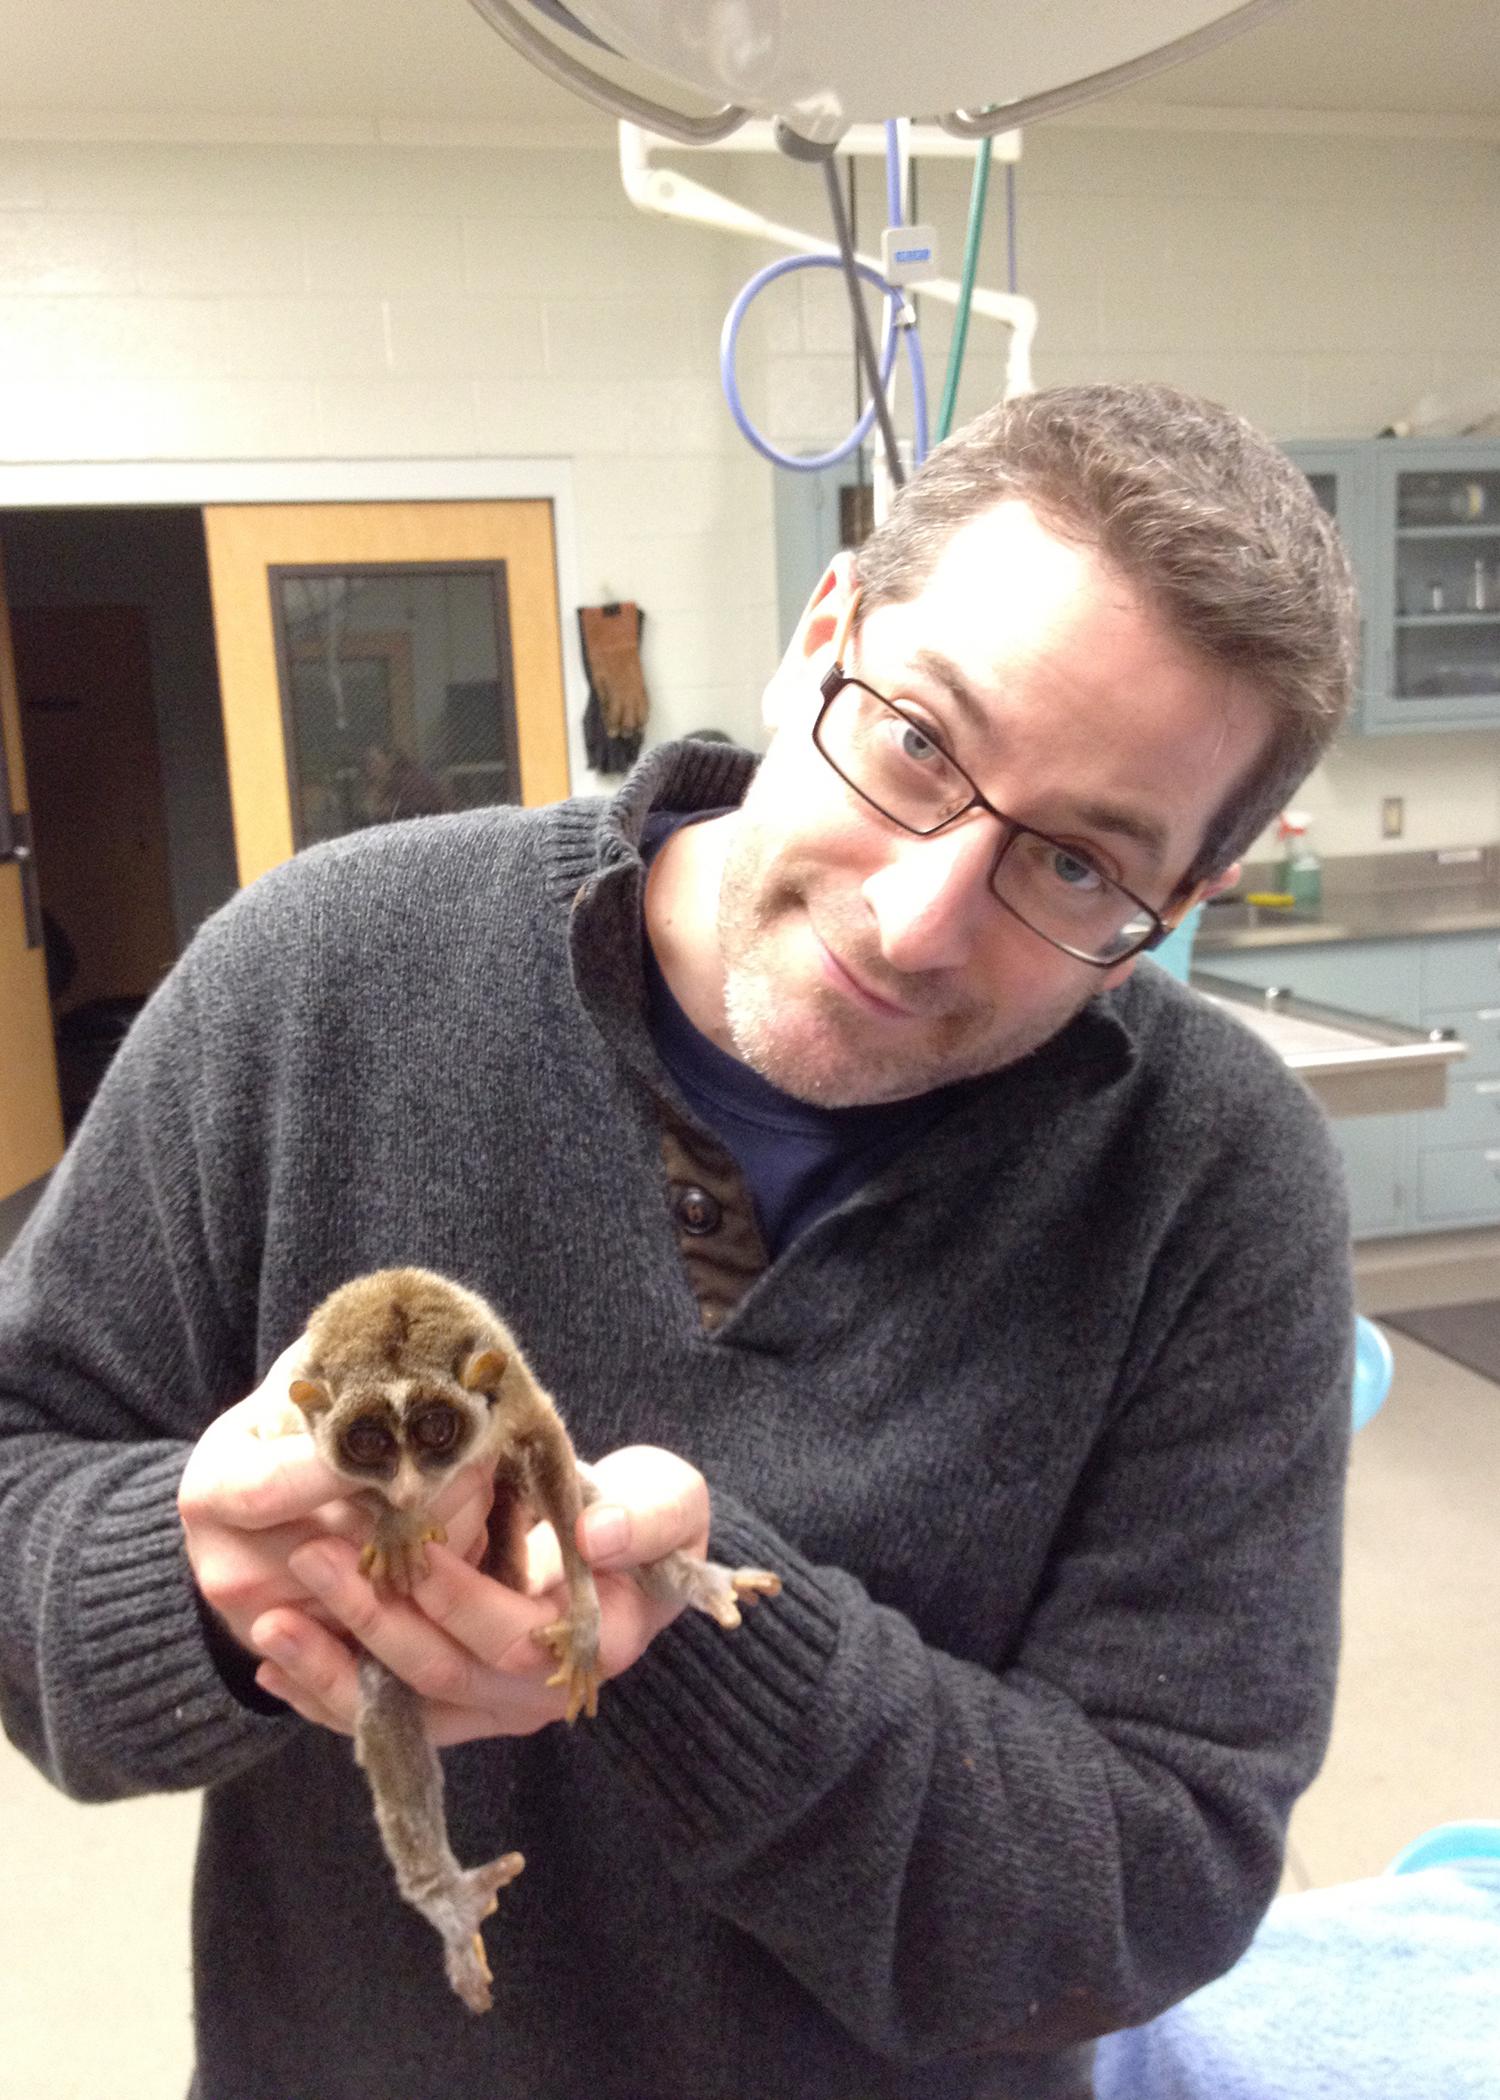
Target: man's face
(863, 964)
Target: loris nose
(408, 1490)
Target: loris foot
(396, 1560)
(707, 1586)
(458, 1913)
(721, 1591)
(575, 1649)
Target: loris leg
(704, 1585)
(406, 1782)
(707, 1586)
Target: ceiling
(393, 68)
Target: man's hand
(464, 1641)
(253, 1491)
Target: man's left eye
(1077, 874)
(915, 744)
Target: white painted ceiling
(326, 67)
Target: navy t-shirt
(799, 1160)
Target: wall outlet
(1392, 816)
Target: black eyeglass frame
(833, 683)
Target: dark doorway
(112, 629)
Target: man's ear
(794, 678)
(1175, 913)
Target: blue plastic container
(1448, 1845)
(1373, 1365)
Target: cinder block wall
(1321, 285)
(241, 302)
(230, 301)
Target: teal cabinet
(1440, 1168)
(1421, 519)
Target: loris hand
(465, 1642)
(254, 1490)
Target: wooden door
(31, 1129)
(98, 817)
(381, 660)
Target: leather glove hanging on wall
(615, 719)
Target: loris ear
(313, 1395)
(484, 1371)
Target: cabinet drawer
(1383, 978)
(1472, 1116)
(1461, 969)
(1370, 1147)
(1462, 1185)
(1480, 1031)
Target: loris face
(403, 1437)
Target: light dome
(822, 67)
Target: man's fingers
(427, 1642)
(309, 1667)
(238, 1477)
(651, 1503)
(493, 1624)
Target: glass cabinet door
(1443, 575)
(1340, 481)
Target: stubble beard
(814, 1044)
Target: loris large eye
(436, 1430)
(367, 1442)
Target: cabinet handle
(1488, 1013)
(1488, 1086)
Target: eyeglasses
(892, 763)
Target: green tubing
(960, 337)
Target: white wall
(181, 302)
(1319, 285)
(233, 302)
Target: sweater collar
(597, 870)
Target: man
(875, 1210)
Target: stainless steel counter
(1354, 1065)
(1393, 917)
(1376, 897)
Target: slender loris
(406, 1376)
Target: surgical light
(977, 66)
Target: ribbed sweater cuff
(150, 1709)
(713, 1723)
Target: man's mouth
(853, 984)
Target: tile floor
(93, 1936)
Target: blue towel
(1375, 1990)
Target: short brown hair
(1200, 514)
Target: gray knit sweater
(1045, 1430)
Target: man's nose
(931, 899)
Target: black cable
(862, 336)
